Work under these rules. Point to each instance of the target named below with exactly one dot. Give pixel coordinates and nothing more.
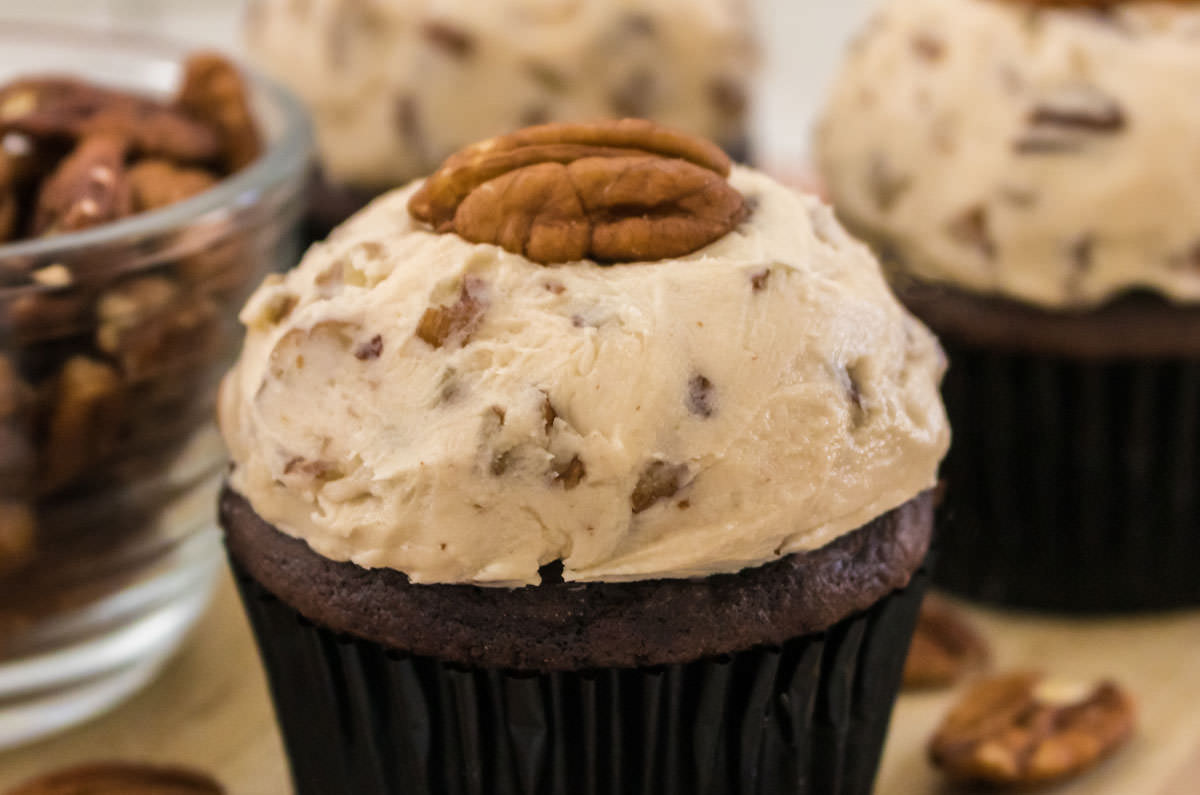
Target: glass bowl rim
(287, 156)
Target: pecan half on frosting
(618, 191)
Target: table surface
(210, 708)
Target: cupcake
(590, 460)
(1026, 173)
(396, 86)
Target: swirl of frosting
(463, 414)
(1039, 153)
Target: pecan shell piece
(627, 191)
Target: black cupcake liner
(1073, 484)
(806, 718)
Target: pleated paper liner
(1073, 485)
(806, 718)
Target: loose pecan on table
(620, 191)
(119, 778)
(1024, 729)
(944, 648)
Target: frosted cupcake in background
(396, 86)
(1028, 175)
(590, 459)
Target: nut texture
(944, 648)
(213, 92)
(86, 190)
(59, 108)
(1022, 729)
(155, 183)
(625, 191)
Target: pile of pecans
(76, 155)
(109, 354)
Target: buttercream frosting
(1041, 154)
(761, 396)
(395, 86)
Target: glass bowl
(112, 345)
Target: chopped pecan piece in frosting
(623, 191)
(658, 481)
(456, 322)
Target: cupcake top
(395, 86)
(465, 413)
(1042, 154)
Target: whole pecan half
(1024, 729)
(618, 191)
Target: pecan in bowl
(133, 223)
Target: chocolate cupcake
(1026, 172)
(588, 462)
(396, 86)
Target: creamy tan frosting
(1047, 155)
(395, 86)
(771, 378)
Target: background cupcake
(1027, 173)
(396, 86)
(647, 524)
